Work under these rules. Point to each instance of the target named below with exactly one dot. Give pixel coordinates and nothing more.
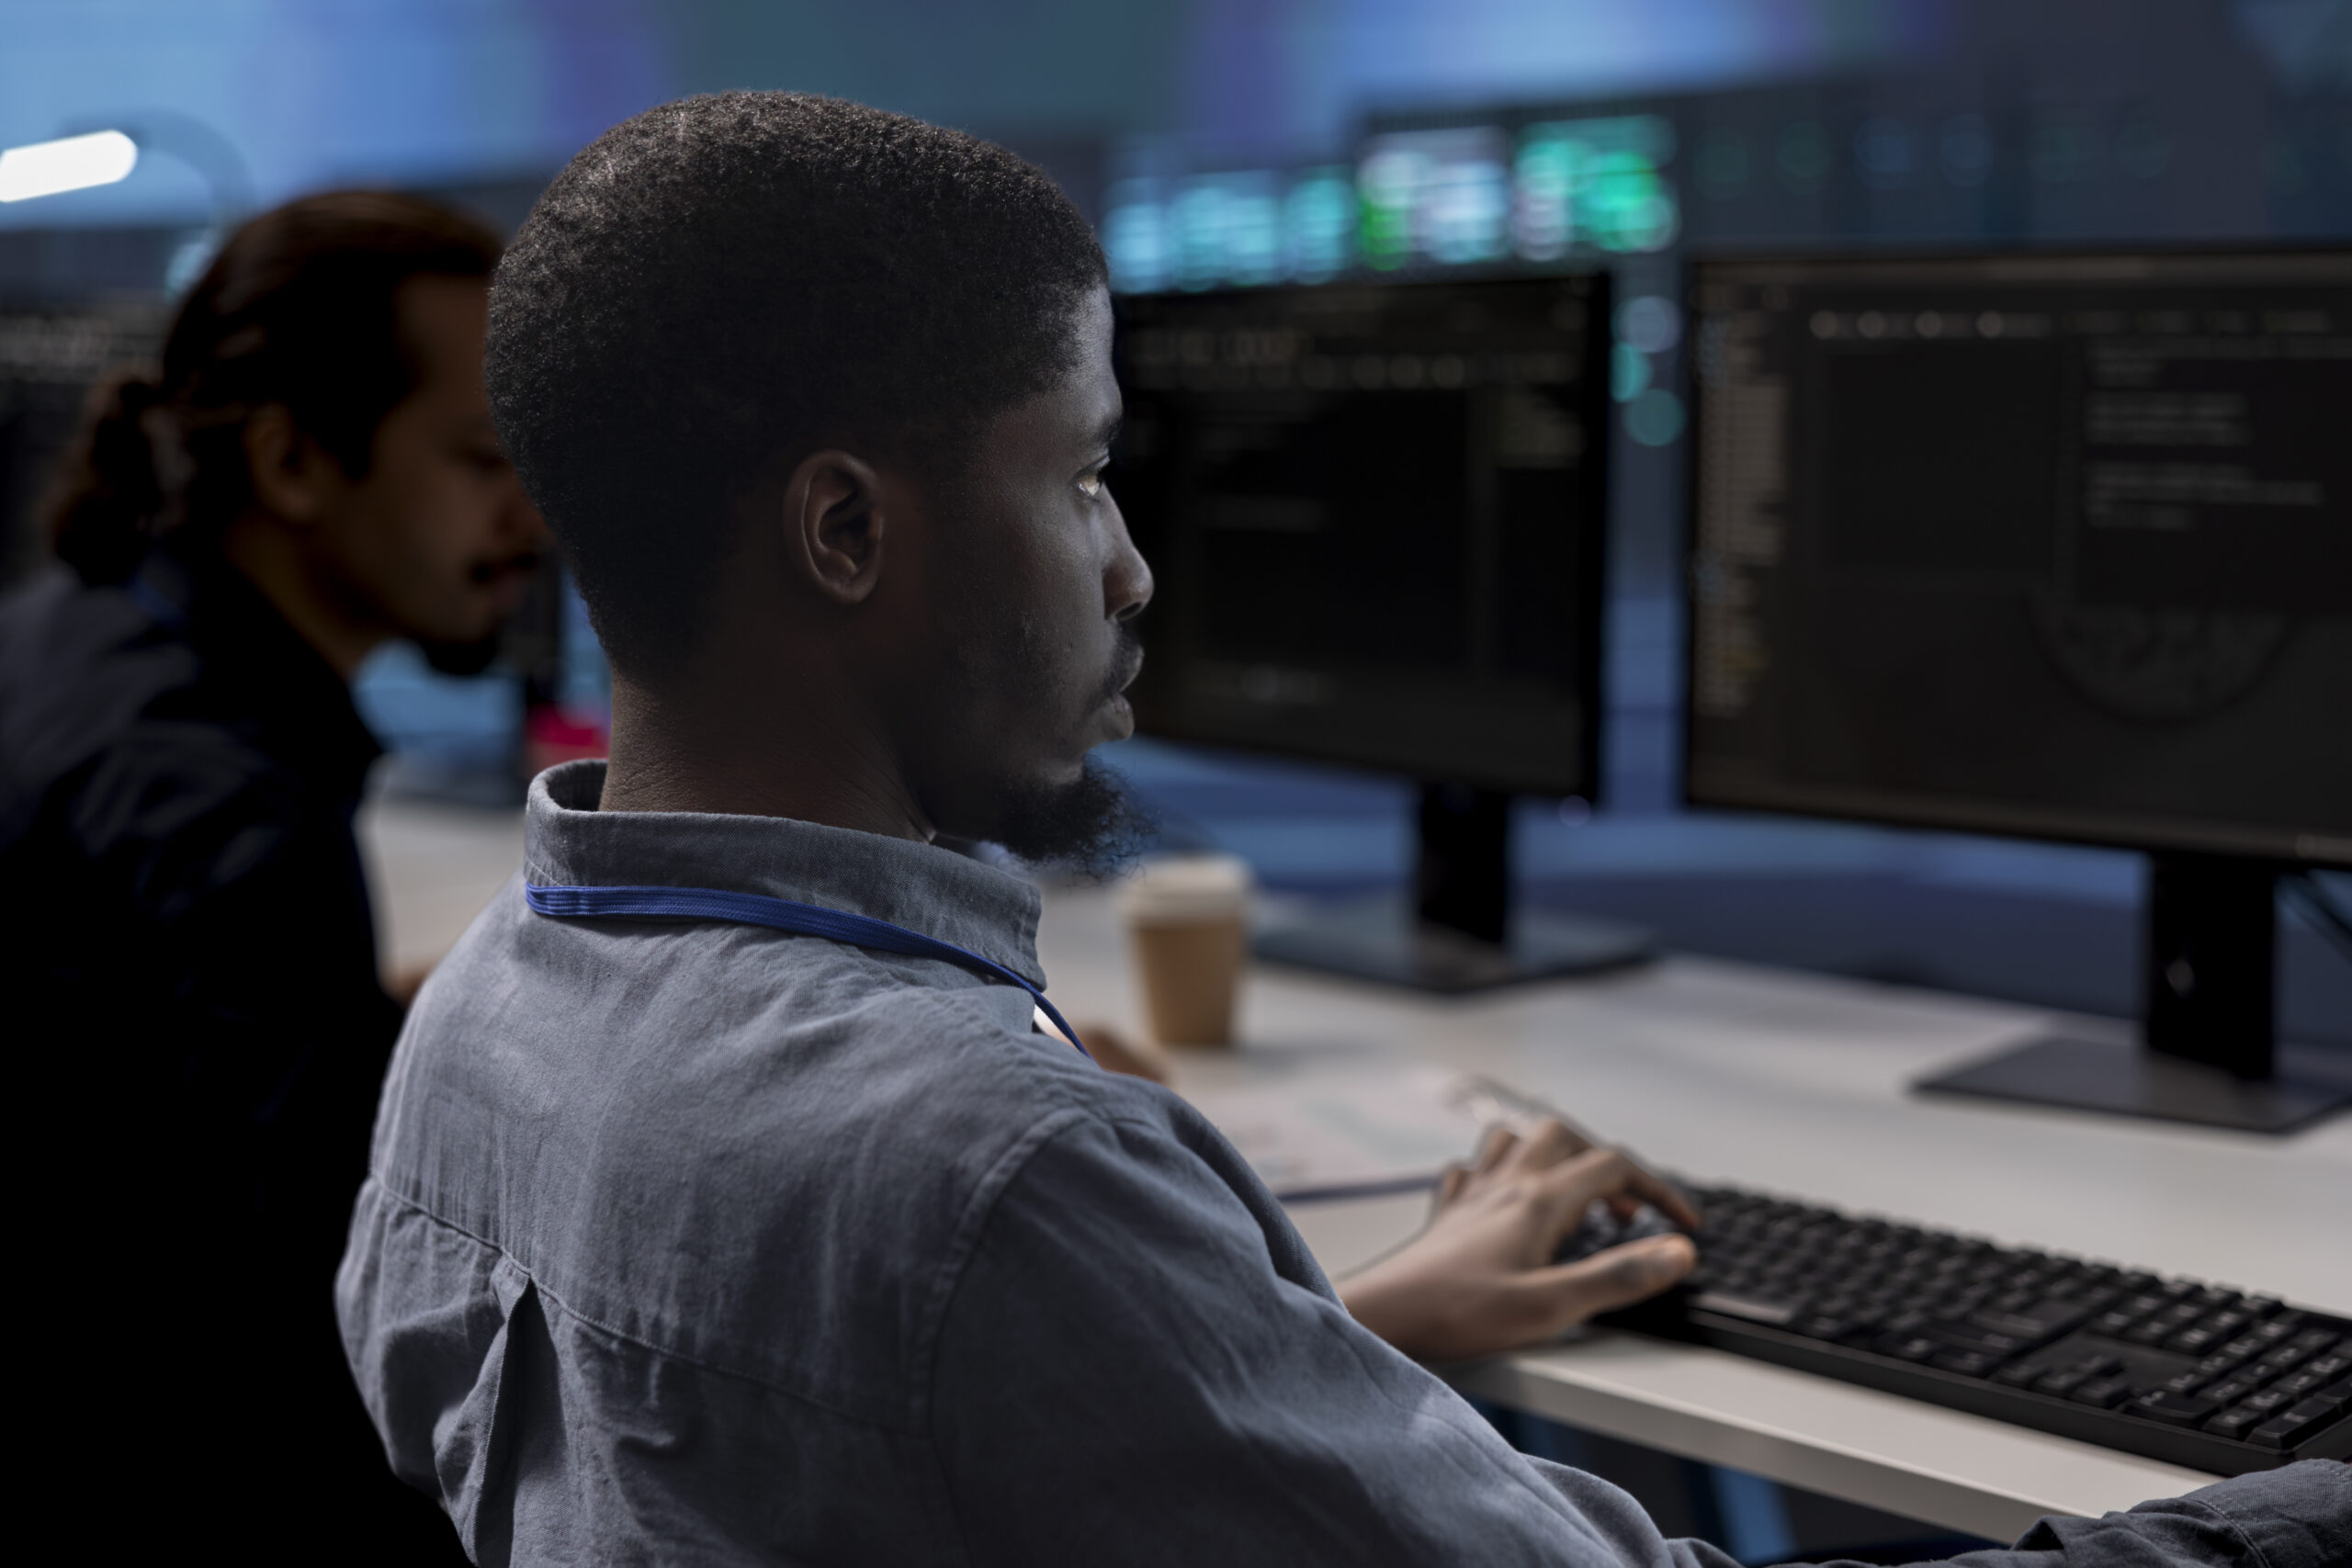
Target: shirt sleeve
(1126, 1374)
(2300, 1517)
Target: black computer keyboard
(2196, 1374)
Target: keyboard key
(2299, 1384)
(1824, 1325)
(1978, 1341)
(2284, 1358)
(2267, 1401)
(2174, 1409)
(2244, 1347)
(2312, 1341)
(2292, 1427)
(1755, 1311)
(1911, 1348)
(2018, 1374)
(2236, 1423)
(2219, 1363)
(2042, 1320)
(2331, 1366)
(2106, 1393)
(1970, 1363)
(2193, 1341)
(2229, 1391)
(2063, 1380)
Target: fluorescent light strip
(45, 168)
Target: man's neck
(274, 562)
(811, 766)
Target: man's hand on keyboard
(1480, 1278)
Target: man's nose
(1126, 584)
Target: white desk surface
(1791, 1083)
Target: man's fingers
(1497, 1142)
(1667, 1199)
(1546, 1145)
(1613, 1175)
(1616, 1277)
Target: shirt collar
(568, 842)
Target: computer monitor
(1375, 514)
(2050, 545)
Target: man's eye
(1091, 484)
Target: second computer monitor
(1375, 514)
(2052, 545)
(2049, 545)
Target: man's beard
(469, 658)
(1091, 826)
(474, 655)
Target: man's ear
(290, 473)
(834, 523)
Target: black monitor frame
(1420, 762)
(1466, 936)
(2208, 1053)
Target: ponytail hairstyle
(301, 308)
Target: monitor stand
(2208, 1053)
(1462, 933)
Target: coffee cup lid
(1187, 887)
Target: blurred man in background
(201, 1026)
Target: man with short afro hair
(718, 271)
(727, 1203)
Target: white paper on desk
(1352, 1135)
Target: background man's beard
(1091, 826)
(469, 658)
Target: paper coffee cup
(1188, 924)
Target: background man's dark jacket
(198, 1035)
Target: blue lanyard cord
(778, 914)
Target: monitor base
(2124, 1078)
(1376, 941)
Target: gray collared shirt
(703, 1243)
